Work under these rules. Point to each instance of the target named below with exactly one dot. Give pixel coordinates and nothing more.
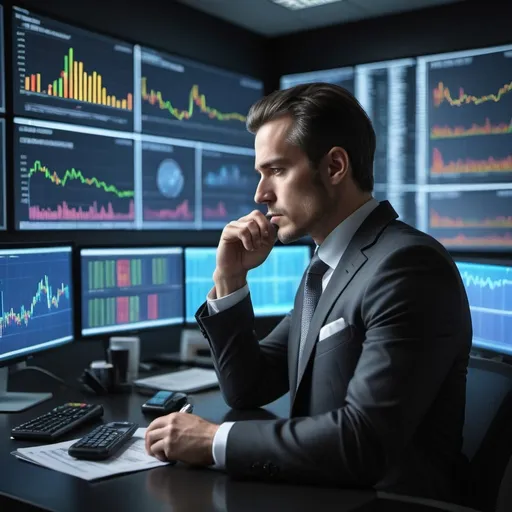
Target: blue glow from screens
(272, 285)
(489, 289)
(131, 289)
(36, 300)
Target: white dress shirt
(330, 252)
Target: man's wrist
(227, 284)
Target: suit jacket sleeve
(412, 309)
(251, 373)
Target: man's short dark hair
(324, 115)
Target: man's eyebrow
(272, 163)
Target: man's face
(289, 186)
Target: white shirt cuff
(228, 301)
(219, 444)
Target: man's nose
(264, 193)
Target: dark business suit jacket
(380, 403)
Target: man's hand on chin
(181, 436)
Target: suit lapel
(350, 263)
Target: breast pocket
(336, 339)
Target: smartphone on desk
(164, 402)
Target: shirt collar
(336, 243)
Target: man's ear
(338, 164)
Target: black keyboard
(54, 424)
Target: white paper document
(131, 457)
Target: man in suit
(375, 351)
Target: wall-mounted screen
(2, 175)
(2, 68)
(67, 74)
(185, 99)
(465, 146)
(69, 177)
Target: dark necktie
(312, 292)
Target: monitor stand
(11, 401)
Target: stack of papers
(132, 457)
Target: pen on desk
(187, 408)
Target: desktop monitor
(130, 289)
(489, 289)
(272, 285)
(36, 297)
(2, 71)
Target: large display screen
(67, 74)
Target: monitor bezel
(47, 245)
(129, 331)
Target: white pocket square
(331, 328)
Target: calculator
(104, 441)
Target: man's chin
(288, 235)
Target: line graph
(492, 241)
(442, 94)
(469, 165)
(440, 221)
(35, 297)
(469, 117)
(55, 192)
(471, 218)
(486, 128)
(185, 99)
(195, 100)
(489, 290)
(44, 295)
(74, 174)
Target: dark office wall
(457, 26)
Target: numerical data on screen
(67, 74)
(182, 98)
(343, 77)
(131, 289)
(387, 92)
(489, 290)
(73, 180)
(35, 299)
(272, 285)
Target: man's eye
(277, 170)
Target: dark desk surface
(176, 488)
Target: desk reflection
(186, 489)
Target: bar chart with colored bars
(75, 83)
(121, 310)
(124, 272)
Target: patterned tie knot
(317, 266)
